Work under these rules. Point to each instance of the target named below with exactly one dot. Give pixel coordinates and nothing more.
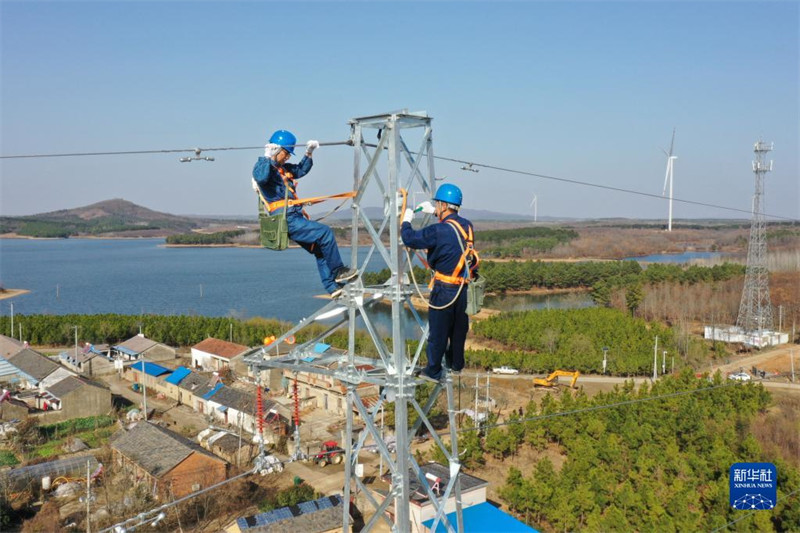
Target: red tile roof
(220, 348)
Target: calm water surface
(91, 276)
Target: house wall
(82, 402)
(418, 514)
(197, 469)
(207, 361)
(160, 352)
(55, 377)
(10, 411)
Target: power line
(441, 158)
(145, 516)
(748, 513)
(587, 409)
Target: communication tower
(755, 309)
(381, 169)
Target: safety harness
(468, 261)
(289, 183)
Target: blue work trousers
(317, 239)
(447, 332)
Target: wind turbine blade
(672, 143)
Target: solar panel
(307, 507)
(324, 503)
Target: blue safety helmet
(449, 194)
(284, 139)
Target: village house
(473, 492)
(323, 515)
(238, 408)
(215, 354)
(236, 449)
(148, 374)
(13, 377)
(74, 397)
(168, 464)
(12, 408)
(326, 392)
(90, 361)
(140, 346)
(41, 371)
(10, 346)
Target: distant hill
(110, 218)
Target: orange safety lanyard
(288, 182)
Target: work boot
(345, 275)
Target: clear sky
(588, 91)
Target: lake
(142, 276)
(681, 258)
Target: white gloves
(254, 184)
(271, 150)
(426, 207)
(311, 146)
(408, 216)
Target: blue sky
(587, 91)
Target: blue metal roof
(7, 369)
(127, 351)
(151, 369)
(321, 347)
(178, 374)
(212, 392)
(484, 518)
(222, 408)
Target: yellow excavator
(552, 379)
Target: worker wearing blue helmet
(446, 242)
(273, 174)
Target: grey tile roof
(194, 383)
(138, 344)
(9, 346)
(33, 363)
(155, 449)
(71, 383)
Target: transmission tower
(755, 309)
(393, 368)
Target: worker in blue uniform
(445, 243)
(273, 174)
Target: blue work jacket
(266, 174)
(444, 251)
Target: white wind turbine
(535, 206)
(668, 177)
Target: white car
(505, 370)
(740, 376)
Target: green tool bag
(475, 291)
(274, 228)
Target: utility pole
(12, 319)
(477, 388)
(76, 341)
(230, 335)
(605, 358)
(487, 397)
(780, 318)
(791, 358)
(663, 362)
(88, 498)
(655, 360)
(144, 387)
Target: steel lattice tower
(755, 309)
(393, 369)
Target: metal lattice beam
(388, 167)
